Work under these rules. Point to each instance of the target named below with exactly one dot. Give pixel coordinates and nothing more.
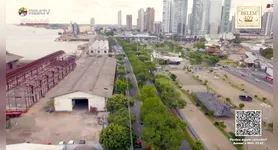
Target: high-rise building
(267, 23)
(196, 18)
(205, 17)
(140, 23)
(189, 23)
(214, 18)
(119, 18)
(150, 19)
(75, 28)
(92, 22)
(167, 16)
(157, 27)
(233, 24)
(129, 22)
(225, 16)
(179, 17)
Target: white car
(62, 143)
(71, 142)
(215, 77)
(257, 80)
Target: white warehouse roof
(96, 77)
(30, 146)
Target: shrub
(243, 89)
(210, 70)
(264, 99)
(241, 105)
(228, 99)
(255, 96)
(225, 76)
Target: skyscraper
(225, 16)
(140, 23)
(92, 22)
(205, 17)
(267, 23)
(150, 19)
(233, 24)
(157, 27)
(119, 18)
(179, 17)
(129, 22)
(214, 18)
(196, 18)
(167, 17)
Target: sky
(104, 11)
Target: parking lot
(44, 127)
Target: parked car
(245, 98)
(82, 142)
(243, 75)
(71, 142)
(257, 80)
(62, 143)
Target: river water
(34, 43)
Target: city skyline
(64, 11)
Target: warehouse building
(93, 87)
(99, 47)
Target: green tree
(163, 131)
(122, 86)
(115, 136)
(267, 53)
(198, 145)
(146, 92)
(173, 77)
(121, 117)
(118, 101)
(199, 46)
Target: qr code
(248, 123)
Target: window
(98, 51)
(105, 52)
(92, 51)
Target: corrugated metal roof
(12, 57)
(30, 146)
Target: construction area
(27, 84)
(90, 78)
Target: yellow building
(85, 28)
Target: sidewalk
(210, 135)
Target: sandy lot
(46, 127)
(226, 90)
(196, 118)
(250, 88)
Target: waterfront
(33, 43)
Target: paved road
(263, 84)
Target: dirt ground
(196, 118)
(46, 127)
(250, 88)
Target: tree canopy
(161, 128)
(118, 101)
(267, 53)
(121, 117)
(122, 86)
(146, 92)
(168, 94)
(197, 58)
(115, 136)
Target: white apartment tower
(119, 18)
(141, 21)
(167, 17)
(267, 23)
(205, 17)
(196, 18)
(214, 18)
(179, 17)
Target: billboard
(248, 17)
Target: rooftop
(12, 57)
(31, 146)
(95, 75)
(211, 102)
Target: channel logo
(269, 6)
